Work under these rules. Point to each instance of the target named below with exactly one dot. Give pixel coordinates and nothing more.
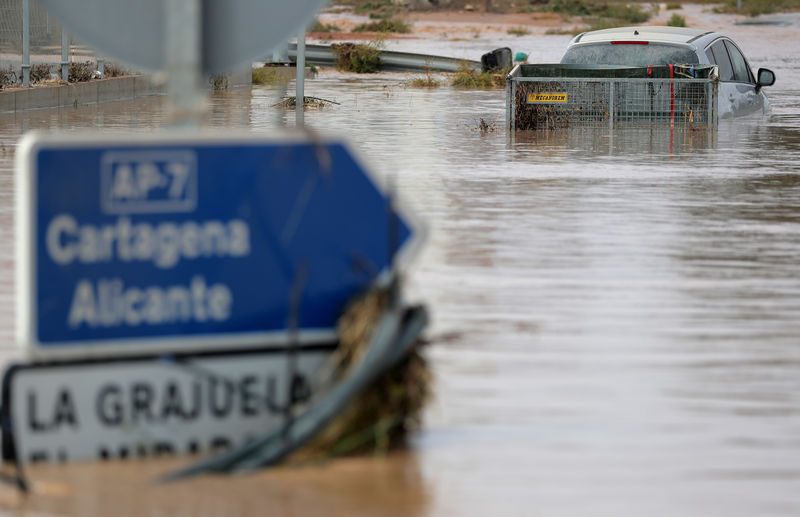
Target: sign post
(183, 22)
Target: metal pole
(611, 105)
(26, 43)
(185, 98)
(738, 5)
(300, 86)
(101, 66)
(64, 55)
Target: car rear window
(629, 54)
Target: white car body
(740, 92)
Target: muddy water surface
(616, 321)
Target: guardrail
(391, 61)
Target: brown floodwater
(616, 321)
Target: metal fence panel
(559, 103)
(45, 31)
(45, 45)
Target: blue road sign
(168, 243)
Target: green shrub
(318, 26)
(756, 7)
(628, 14)
(424, 82)
(518, 31)
(361, 58)
(372, 6)
(677, 21)
(561, 32)
(602, 14)
(672, 6)
(468, 79)
(569, 7)
(387, 25)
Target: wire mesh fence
(45, 38)
(45, 34)
(560, 103)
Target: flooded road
(616, 325)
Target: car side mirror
(766, 77)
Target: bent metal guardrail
(392, 61)
(561, 102)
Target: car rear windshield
(629, 54)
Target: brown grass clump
(8, 77)
(81, 72)
(40, 72)
(269, 75)
(112, 70)
(424, 82)
(382, 416)
(385, 25)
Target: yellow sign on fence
(534, 98)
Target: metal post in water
(300, 85)
(64, 55)
(611, 104)
(101, 65)
(185, 99)
(26, 43)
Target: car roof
(646, 33)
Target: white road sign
(145, 408)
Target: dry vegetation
(469, 79)
(382, 416)
(361, 58)
(428, 81)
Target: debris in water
(485, 126)
(308, 103)
(382, 416)
(371, 398)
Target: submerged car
(740, 92)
